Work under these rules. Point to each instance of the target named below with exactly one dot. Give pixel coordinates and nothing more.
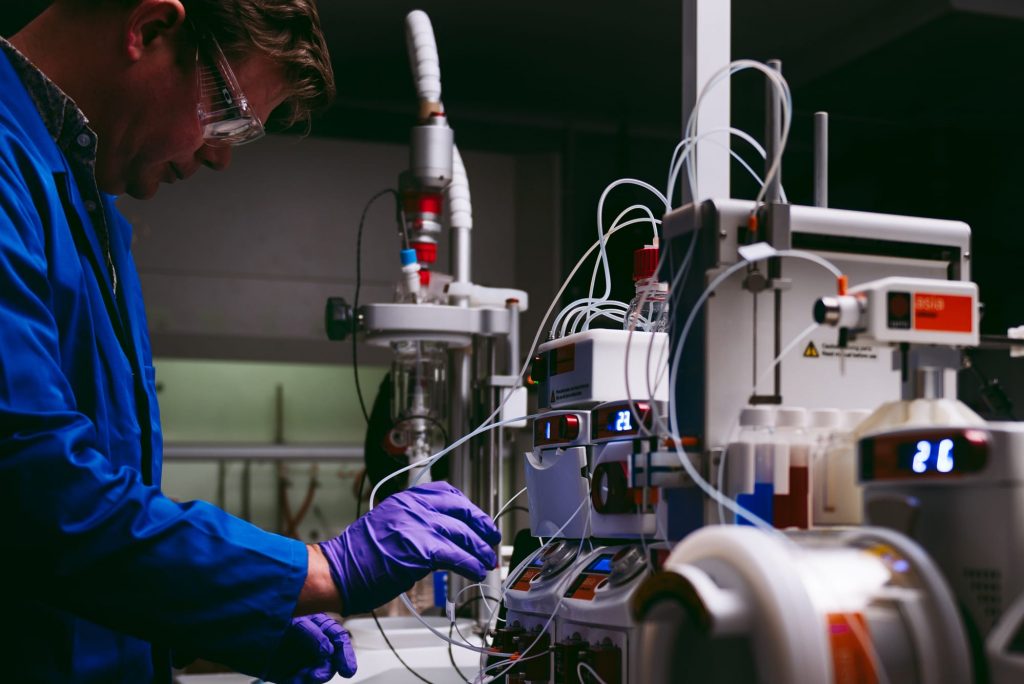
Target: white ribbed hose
(460, 204)
(426, 67)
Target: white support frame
(707, 48)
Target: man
(107, 580)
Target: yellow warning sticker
(811, 352)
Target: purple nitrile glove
(314, 648)
(429, 527)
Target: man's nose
(216, 157)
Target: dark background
(925, 99)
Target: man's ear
(151, 21)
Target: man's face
(158, 138)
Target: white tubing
(426, 67)
(460, 204)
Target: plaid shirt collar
(66, 122)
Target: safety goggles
(225, 115)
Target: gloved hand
(314, 648)
(429, 527)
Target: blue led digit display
(929, 456)
(924, 454)
(622, 421)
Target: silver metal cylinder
(462, 248)
(826, 311)
(461, 401)
(929, 383)
(821, 159)
(839, 311)
(430, 154)
(513, 336)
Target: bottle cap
(825, 419)
(855, 418)
(791, 417)
(408, 256)
(645, 262)
(756, 416)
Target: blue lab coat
(103, 576)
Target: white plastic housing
(809, 606)
(557, 485)
(941, 312)
(605, 365)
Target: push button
(569, 427)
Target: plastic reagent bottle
(749, 464)
(792, 501)
(648, 310)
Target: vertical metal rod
(821, 159)
(773, 135)
(514, 366)
(460, 403)
(778, 342)
(929, 383)
(513, 336)
(753, 344)
(461, 254)
(489, 481)
(707, 46)
(458, 423)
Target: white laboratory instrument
(727, 360)
(959, 492)
(599, 472)
(589, 593)
(735, 604)
(533, 596)
(601, 365)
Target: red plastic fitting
(426, 252)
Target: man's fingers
(464, 537)
(344, 658)
(446, 499)
(309, 639)
(448, 556)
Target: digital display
(620, 420)
(928, 456)
(923, 454)
(603, 564)
(591, 579)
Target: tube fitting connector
(841, 311)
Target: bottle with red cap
(648, 311)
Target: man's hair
(286, 31)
